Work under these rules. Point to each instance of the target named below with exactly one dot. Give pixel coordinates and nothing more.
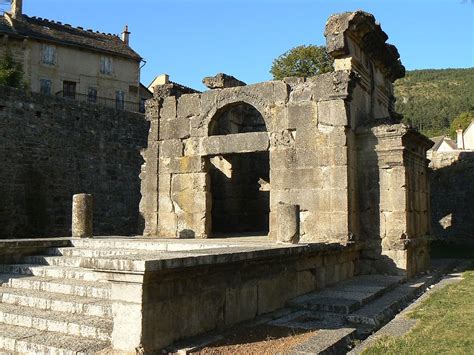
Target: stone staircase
(60, 302)
(50, 304)
(347, 311)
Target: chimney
(460, 138)
(17, 8)
(126, 36)
(163, 79)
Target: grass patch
(445, 324)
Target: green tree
(461, 121)
(302, 61)
(11, 72)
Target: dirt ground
(262, 339)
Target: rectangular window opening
(92, 94)
(69, 89)
(45, 86)
(119, 100)
(106, 65)
(48, 54)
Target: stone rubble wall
(452, 196)
(52, 148)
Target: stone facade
(330, 144)
(53, 148)
(60, 59)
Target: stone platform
(129, 294)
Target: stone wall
(158, 307)
(52, 148)
(452, 196)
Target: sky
(191, 39)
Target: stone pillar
(82, 216)
(288, 223)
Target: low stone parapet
(158, 302)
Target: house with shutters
(73, 62)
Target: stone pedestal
(288, 223)
(82, 208)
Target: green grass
(445, 324)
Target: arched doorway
(239, 182)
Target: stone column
(82, 216)
(288, 223)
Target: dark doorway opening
(240, 194)
(240, 183)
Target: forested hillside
(431, 99)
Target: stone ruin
(222, 162)
(321, 167)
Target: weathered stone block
(273, 292)
(236, 143)
(189, 105)
(182, 165)
(168, 108)
(241, 303)
(176, 128)
(171, 148)
(167, 224)
(302, 115)
(333, 113)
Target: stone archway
(239, 180)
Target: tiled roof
(52, 31)
(439, 140)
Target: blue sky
(190, 39)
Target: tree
(11, 72)
(462, 121)
(302, 61)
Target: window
(48, 54)
(45, 86)
(119, 100)
(106, 65)
(69, 89)
(142, 105)
(92, 94)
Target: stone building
(222, 161)
(76, 63)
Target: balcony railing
(105, 102)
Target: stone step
(74, 261)
(123, 262)
(381, 310)
(148, 245)
(347, 296)
(58, 272)
(56, 302)
(52, 321)
(21, 340)
(94, 289)
(92, 252)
